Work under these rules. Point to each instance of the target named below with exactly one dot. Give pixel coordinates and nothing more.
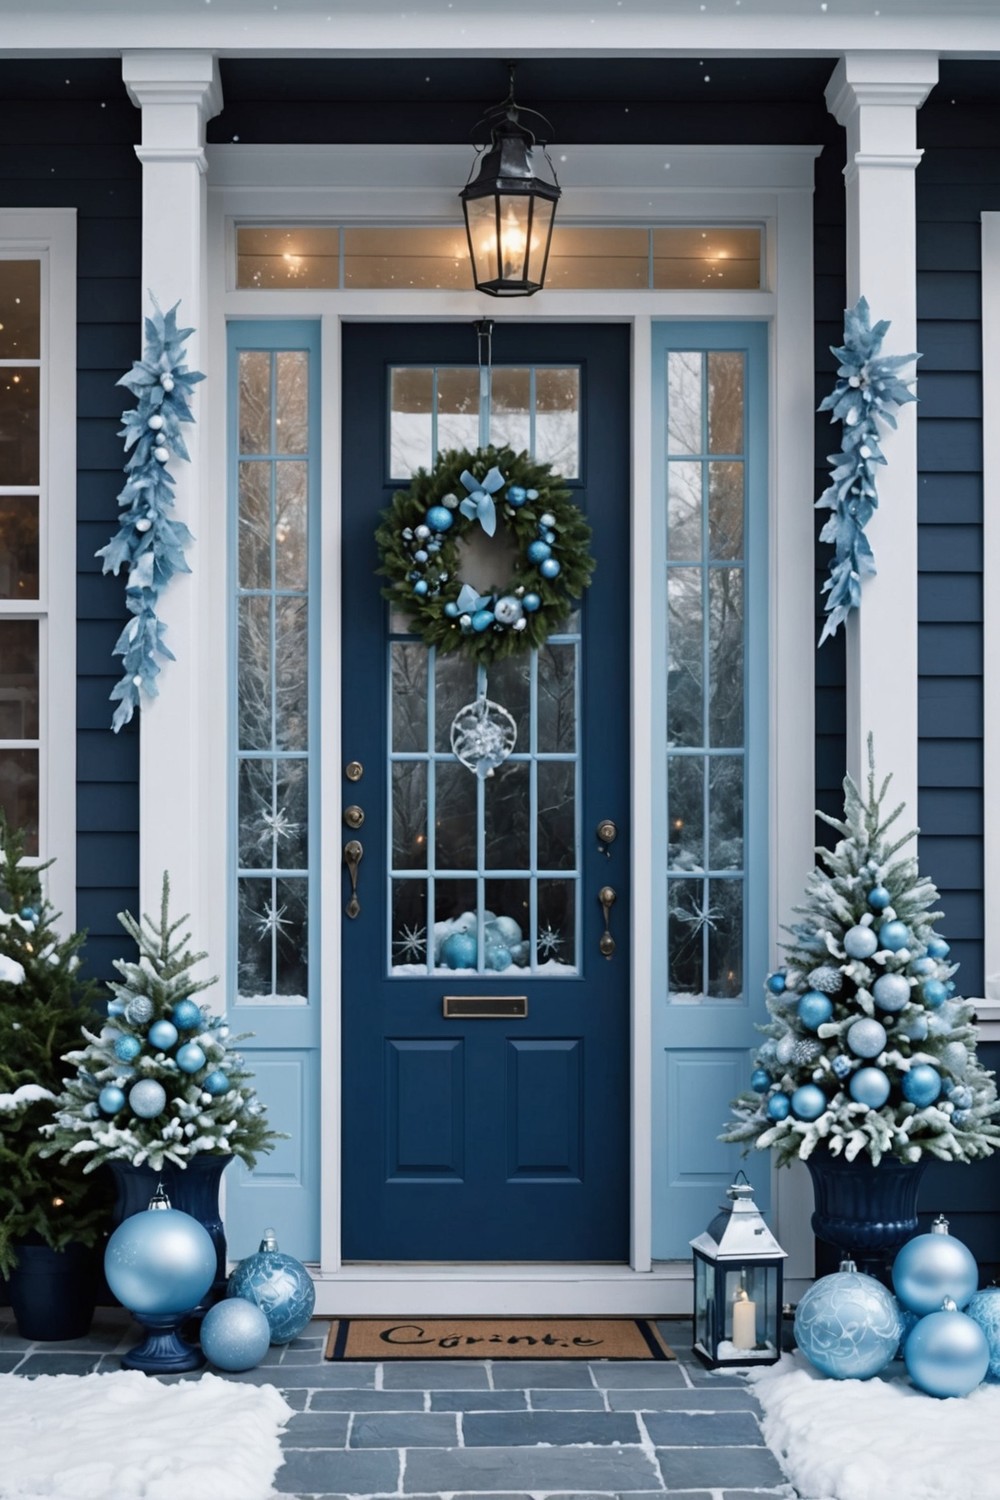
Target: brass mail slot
(484, 1007)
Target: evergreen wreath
(419, 542)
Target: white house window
(37, 536)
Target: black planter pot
(862, 1210)
(53, 1292)
(193, 1189)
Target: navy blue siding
(67, 133)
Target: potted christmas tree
(869, 1066)
(160, 1094)
(50, 1215)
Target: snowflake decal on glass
(698, 916)
(272, 919)
(483, 734)
(411, 944)
(549, 942)
(277, 826)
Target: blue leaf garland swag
(149, 542)
(867, 391)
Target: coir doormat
(495, 1338)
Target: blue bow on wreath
(469, 601)
(478, 505)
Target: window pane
(454, 687)
(684, 657)
(290, 819)
(685, 401)
(557, 420)
(291, 418)
(411, 421)
(507, 808)
(291, 938)
(291, 674)
(686, 800)
(510, 685)
(720, 259)
(455, 911)
(409, 696)
(20, 304)
(455, 817)
(556, 815)
(725, 401)
(506, 925)
(19, 793)
(19, 425)
(557, 698)
(254, 676)
(291, 561)
(458, 408)
(555, 944)
(725, 647)
(255, 401)
(684, 479)
(404, 258)
(255, 525)
(725, 509)
(586, 258)
(725, 841)
(686, 918)
(254, 974)
(725, 939)
(292, 256)
(18, 547)
(19, 682)
(409, 815)
(409, 924)
(510, 408)
(256, 805)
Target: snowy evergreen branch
(867, 390)
(149, 542)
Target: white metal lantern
(737, 1285)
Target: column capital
(178, 93)
(897, 80)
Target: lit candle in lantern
(744, 1321)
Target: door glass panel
(725, 645)
(411, 421)
(409, 925)
(291, 417)
(255, 401)
(291, 525)
(458, 408)
(18, 547)
(685, 396)
(454, 686)
(506, 925)
(725, 510)
(510, 684)
(557, 924)
(557, 419)
(687, 917)
(255, 525)
(291, 945)
(686, 812)
(725, 939)
(409, 815)
(725, 401)
(725, 801)
(409, 695)
(556, 814)
(506, 817)
(684, 511)
(685, 647)
(510, 408)
(557, 698)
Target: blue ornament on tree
(808, 1102)
(760, 1080)
(841, 1067)
(111, 1099)
(459, 950)
(937, 948)
(860, 942)
(947, 1354)
(894, 935)
(190, 1058)
(934, 993)
(921, 1085)
(878, 898)
(984, 1308)
(779, 1106)
(127, 1048)
(848, 1325)
(217, 1082)
(891, 991)
(279, 1285)
(933, 1266)
(869, 1086)
(814, 1009)
(186, 1015)
(776, 982)
(867, 1037)
(235, 1334)
(162, 1035)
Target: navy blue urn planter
(863, 1210)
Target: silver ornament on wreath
(483, 734)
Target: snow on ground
(881, 1438)
(127, 1436)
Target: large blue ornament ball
(931, 1267)
(891, 991)
(814, 1009)
(186, 1015)
(459, 950)
(280, 1286)
(869, 1086)
(947, 1354)
(235, 1334)
(921, 1085)
(848, 1325)
(162, 1035)
(160, 1261)
(190, 1057)
(808, 1102)
(984, 1309)
(147, 1098)
(860, 942)
(867, 1037)
(894, 935)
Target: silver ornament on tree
(483, 734)
(139, 1010)
(826, 978)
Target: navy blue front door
(472, 1137)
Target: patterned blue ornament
(891, 991)
(869, 1086)
(279, 1285)
(531, 602)
(460, 950)
(947, 1354)
(921, 1085)
(760, 1080)
(550, 567)
(217, 1082)
(111, 1099)
(867, 1037)
(808, 1102)
(779, 1106)
(894, 935)
(538, 551)
(937, 948)
(933, 1266)
(439, 518)
(933, 992)
(878, 898)
(186, 1015)
(190, 1058)
(860, 942)
(841, 1067)
(814, 1009)
(147, 1098)
(984, 1309)
(235, 1335)
(848, 1325)
(127, 1048)
(162, 1035)
(776, 982)
(160, 1262)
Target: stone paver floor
(510, 1429)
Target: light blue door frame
(710, 477)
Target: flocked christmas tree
(869, 1049)
(42, 1004)
(161, 1081)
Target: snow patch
(28, 1093)
(11, 972)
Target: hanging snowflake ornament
(868, 389)
(272, 919)
(483, 734)
(149, 542)
(549, 942)
(411, 944)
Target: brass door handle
(607, 897)
(353, 852)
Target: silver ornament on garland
(483, 734)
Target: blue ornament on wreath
(947, 1354)
(235, 1334)
(538, 552)
(815, 1009)
(922, 1085)
(870, 1086)
(894, 935)
(860, 942)
(984, 1309)
(550, 567)
(933, 1266)
(848, 1325)
(439, 518)
(279, 1285)
(531, 602)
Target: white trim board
(988, 1009)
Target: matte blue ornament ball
(937, 948)
(867, 1037)
(538, 551)
(878, 898)
(531, 603)
(217, 1082)
(190, 1057)
(894, 935)
(550, 567)
(127, 1048)
(934, 993)
(860, 942)
(891, 991)
(451, 610)
(869, 1086)
(779, 1107)
(498, 957)
(947, 1354)
(921, 1085)
(760, 1080)
(814, 1009)
(279, 1285)
(162, 1035)
(808, 1102)
(111, 1099)
(848, 1325)
(439, 518)
(984, 1309)
(147, 1098)
(482, 620)
(776, 983)
(186, 1015)
(160, 1262)
(235, 1334)
(420, 587)
(931, 1267)
(459, 950)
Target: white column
(876, 97)
(177, 93)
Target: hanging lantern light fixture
(509, 210)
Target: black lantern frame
(509, 210)
(738, 1277)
